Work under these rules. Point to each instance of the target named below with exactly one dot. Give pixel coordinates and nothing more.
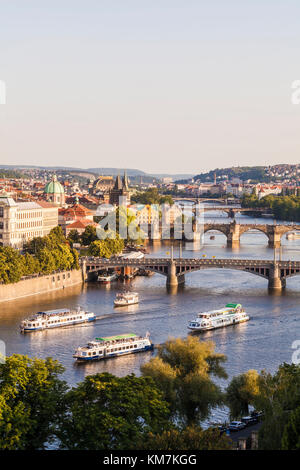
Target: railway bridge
(174, 269)
(231, 211)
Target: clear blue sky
(164, 86)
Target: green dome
(54, 187)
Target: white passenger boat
(133, 255)
(107, 278)
(112, 346)
(126, 298)
(230, 315)
(293, 236)
(55, 319)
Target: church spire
(125, 181)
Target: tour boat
(293, 236)
(230, 315)
(55, 319)
(126, 298)
(112, 346)
(107, 278)
(133, 255)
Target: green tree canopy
(242, 392)
(189, 438)
(183, 370)
(31, 400)
(89, 235)
(291, 432)
(108, 412)
(151, 196)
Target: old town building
(22, 221)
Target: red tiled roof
(81, 224)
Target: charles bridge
(174, 269)
(232, 231)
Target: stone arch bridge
(276, 272)
(233, 231)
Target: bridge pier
(233, 237)
(172, 278)
(274, 240)
(275, 282)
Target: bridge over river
(174, 269)
(232, 231)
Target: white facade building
(22, 221)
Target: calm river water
(262, 343)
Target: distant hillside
(244, 173)
(116, 171)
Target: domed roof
(54, 187)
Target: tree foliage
(108, 412)
(285, 207)
(242, 392)
(189, 438)
(31, 399)
(279, 395)
(42, 255)
(151, 196)
(183, 370)
(106, 248)
(291, 432)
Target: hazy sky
(160, 85)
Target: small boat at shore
(107, 278)
(230, 315)
(293, 236)
(112, 346)
(49, 319)
(126, 298)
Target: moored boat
(56, 318)
(112, 346)
(230, 315)
(126, 298)
(293, 236)
(107, 278)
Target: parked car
(236, 426)
(258, 414)
(248, 420)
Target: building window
(1, 212)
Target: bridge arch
(255, 231)
(216, 228)
(262, 272)
(289, 230)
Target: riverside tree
(279, 395)
(189, 438)
(108, 412)
(31, 400)
(183, 370)
(242, 392)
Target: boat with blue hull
(58, 318)
(112, 346)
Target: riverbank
(40, 284)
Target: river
(262, 343)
